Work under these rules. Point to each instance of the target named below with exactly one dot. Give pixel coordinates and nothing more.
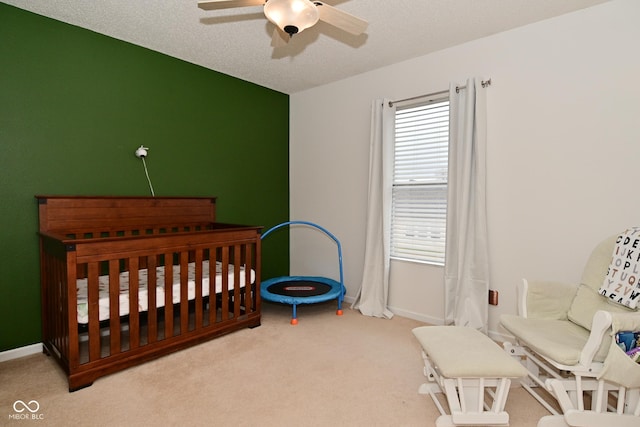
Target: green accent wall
(75, 105)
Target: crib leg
(294, 317)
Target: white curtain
(373, 294)
(466, 256)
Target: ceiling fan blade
(341, 19)
(279, 37)
(227, 4)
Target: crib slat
(257, 265)
(55, 327)
(134, 319)
(184, 296)
(152, 314)
(114, 306)
(70, 309)
(182, 312)
(94, 321)
(198, 284)
(213, 300)
(237, 261)
(51, 297)
(168, 296)
(59, 327)
(248, 261)
(224, 302)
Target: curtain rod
(484, 83)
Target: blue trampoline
(295, 290)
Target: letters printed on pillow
(621, 284)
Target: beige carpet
(349, 370)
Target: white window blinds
(419, 199)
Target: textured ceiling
(237, 41)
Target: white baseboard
(349, 299)
(495, 335)
(17, 353)
(417, 316)
(404, 313)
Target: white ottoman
(472, 370)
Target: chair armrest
(545, 299)
(601, 325)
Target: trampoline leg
(339, 310)
(294, 318)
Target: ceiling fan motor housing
(291, 16)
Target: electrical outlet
(493, 297)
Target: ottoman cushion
(460, 352)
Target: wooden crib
(128, 279)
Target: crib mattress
(143, 289)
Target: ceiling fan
(293, 16)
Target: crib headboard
(79, 213)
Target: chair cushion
(541, 305)
(585, 304)
(597, 265)
(558, 340)
(587, 299)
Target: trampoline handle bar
(324, 230)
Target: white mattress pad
(143, 289)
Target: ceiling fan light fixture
(291, 16)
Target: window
(419, 195)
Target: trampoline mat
(299, 288)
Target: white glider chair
(563, 336)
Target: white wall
(563, 152)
